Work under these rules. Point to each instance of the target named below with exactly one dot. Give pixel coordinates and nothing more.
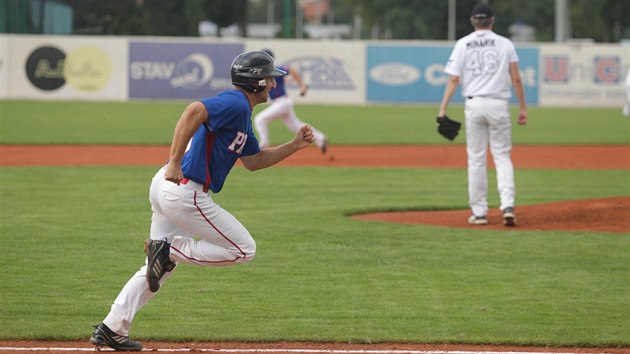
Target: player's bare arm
(517, 84)
(451, 86)
(298, 79)
(192, 117)
(270, 156)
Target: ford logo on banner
(394, 74)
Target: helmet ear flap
(260, 85)
(252, 86)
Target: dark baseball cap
(482, 10)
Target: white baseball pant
(488, 122)
(181, 212)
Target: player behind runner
(187, 226)
(282, 107)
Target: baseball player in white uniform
(282, 107)
(187, 226)
(485, 63)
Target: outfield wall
(343, 72)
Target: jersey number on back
(484, 62)
(238, 143)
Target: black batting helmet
(250, 68)
(268, 51)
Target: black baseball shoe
(324, 147)
(105, 337)
(509, 217)
(158, 262)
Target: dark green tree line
(600, 20)
(155, 17)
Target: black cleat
(105, 337)
(158, 262)
(509, 217)
(324, 147)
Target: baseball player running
(485, 64)
(209, 137)
(282, 106)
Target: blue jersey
(221, 140)
(279, 90)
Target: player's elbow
(250, 163)
(453, 80)
(517, 81)
(252, 167)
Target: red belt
(186, 180)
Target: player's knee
(250, 252)
(246, 252)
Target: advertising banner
(169, 70)
(583, 75)
(64, 67)
(407, 73)
(337, 72)
(528, 65)
(415, 73)
(334, 71)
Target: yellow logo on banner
(88, 68)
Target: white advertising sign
(4, 70)
(587, 75)
(64, 67)
(334, 71)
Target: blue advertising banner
(180, 70)
(415, 73)
(528, 64)
(406, 73)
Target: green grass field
(44, 122)
(72, 236)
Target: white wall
(97, 68)
(334, 71)
(4, 67)
(67, 67)
(583, 75)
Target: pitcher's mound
(600, 215)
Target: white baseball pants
(488, 122)
(181, 212)
(282, 108)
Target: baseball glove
(448, 128)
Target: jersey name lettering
(480, 43)
(239, 141)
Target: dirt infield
(22, 347)
(616, 157)
(601, 215)
(604, 215)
